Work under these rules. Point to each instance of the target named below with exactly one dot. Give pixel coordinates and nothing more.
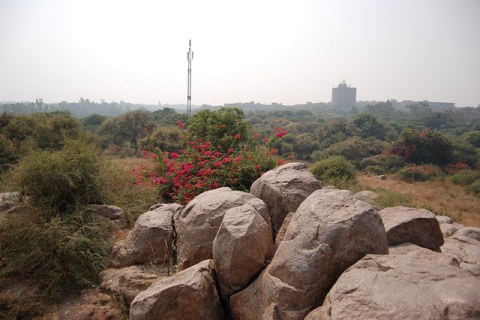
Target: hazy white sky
(261, 50)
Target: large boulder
(113, 214)
(241, 248)
(189, 294)
(150, 240)
(197, 224)
(464, 250)
(283, 189)
(418, 226)
(469, 232)
(417, 284)
(330, 231)
(126, 282)
(448, 226)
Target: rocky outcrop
(241, 248)
(150, 240)
(418, 226)
(469, 232)
(330, 231)
(106, 211)
(189, 294)
(113, 214)
(197, 224)
(448, 226)
(465, 251)
(366, 195)
(283, 189)
(126, 282)
(418, 284)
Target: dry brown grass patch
(441, 197)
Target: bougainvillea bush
(202, 166)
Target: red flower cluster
(179, 177)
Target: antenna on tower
(189, 90)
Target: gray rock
(283, 189)
(366, 195)
(126, 282)
(330, 231)
(106, 211)
(449, 229)
(189, 294)
(197, 224)
(444, 219)
(15, 196)
(241, 248)
(465, 251)
(421, 284)
(469, 232)
(417, 226)
(150, 240)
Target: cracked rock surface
(410, 283)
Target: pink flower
(207, 153)
(265, 140)
(257, 168)
(230, 150)
(180, 124)
(237, 136)
(174, 155)
(238, 159)
(280, 134)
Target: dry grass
(441, 197)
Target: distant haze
(265, 51)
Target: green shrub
(63, 180)
(419, 173)
(336, 171)
(473, 137)
(382, 163)
(61, 254)
(464, 153)
(475, 188)
(353, 149)
(465, 177)
(425, 146)
(7, 153)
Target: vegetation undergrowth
(440, 196)
(53, 241)
(336, 171)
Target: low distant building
(435, 106)
(344, 96)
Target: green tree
(93, 121)
(473, 137)
(365, 125)
(129, 127)
(304, 145)
(168, 139)
(225, 127)
(425, 146)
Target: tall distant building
(344, 96)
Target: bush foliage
(64, 180)
(228, 158)
(336, 171)
(419, 172)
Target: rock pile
(292, 250)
